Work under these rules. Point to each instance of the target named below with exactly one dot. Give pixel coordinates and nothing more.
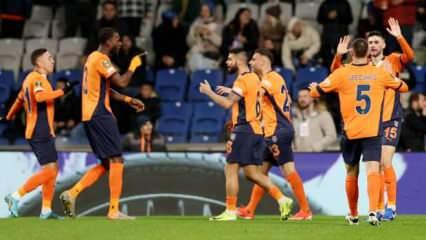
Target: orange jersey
(361, 91)
(96, 85)
(276, 103)
(394, 64)
(246, 113)
(37, 96)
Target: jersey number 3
(363, 99)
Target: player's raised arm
(225, 102)
(124, 80)
(395, 30)
(342, 48)
(17, 105)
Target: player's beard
(232, 69)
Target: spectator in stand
(109, 18)
(79, 14)
(272, 32)
(335, 16)
(141, 139)
(414, 125)
(300, 45)
(241, 32)
(169, 40)
(405, 12)
(373, 22)
(13, 14)
(123, 57)
(204, 39)
(314, 127)
(66, 112)
(151, 101)
(188, 10)
(132, 12)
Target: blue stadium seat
(4, 92)
(149, 75)
(171, 84)
(207, 123)
(3, 127)
(174, 122)
(204, 138)
(6, 76)
(173, 128)
(306, 75)
(230, 79)
(4, 141)
(177, 109)
(21, 78)
(419, 72)
(21, 141)
(287, 74)
(213, 76)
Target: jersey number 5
(362, 96)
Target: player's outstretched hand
(205, 87)
(136, 62)
(343, 46)
(222, 90)
(137, 104)
(394, 29)
(313, 85)
(69, 87)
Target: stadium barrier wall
(193, 183)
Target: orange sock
(381, 205)
(48, 190)
(390, 182)
(36, 180)
(257, 193)
(373, 188)
(352, 194)
(87, 180)
(298, 191)
(231, 203)
(275, 193)
(115, 185)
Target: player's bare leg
(390, 181)
(352, 193)
(115, 187)
(373, 182)
(232, 187)
(254, 174)
(290, 173)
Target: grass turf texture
(188, 228)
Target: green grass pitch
(199, 228)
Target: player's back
(96, 85)
(246, 113)
(276, 103)
(361, 94)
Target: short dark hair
(360, 47)
(237, 50)
(376, 33)
(266, 53)
(106, 34)
(112, 2)
(36, 54)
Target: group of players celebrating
(368, 88)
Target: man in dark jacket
(335, 16)
(414, 125)
(170, 42)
